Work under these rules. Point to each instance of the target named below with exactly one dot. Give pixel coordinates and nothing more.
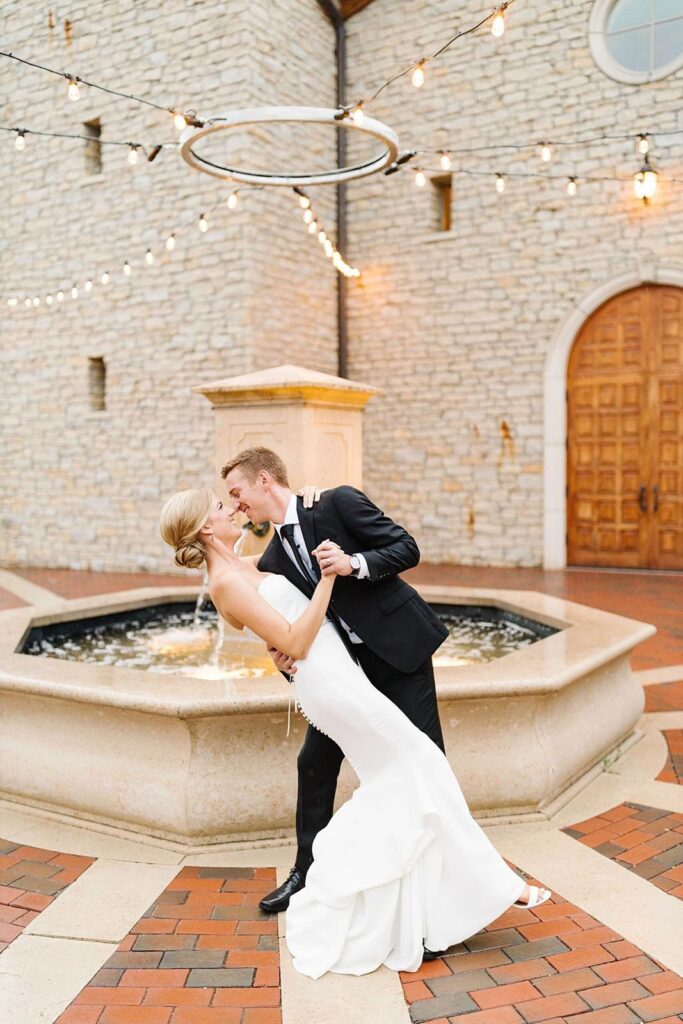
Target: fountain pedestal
(313, 420)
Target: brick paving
(9, 600)
(202, 954)
(664, 697)
(544, 966)
(73, 583)
(30, 879)
(673, 769)
(646, 840)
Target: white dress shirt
(292, 516)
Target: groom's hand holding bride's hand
(331, 559)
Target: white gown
(402, 862)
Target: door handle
(655, 495)
(642, 498)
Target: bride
(402, 864)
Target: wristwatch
(355, 564)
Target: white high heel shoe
(537, 895)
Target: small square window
(97, 383)
(93, 149)
(442, 191)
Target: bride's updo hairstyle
(182, 517)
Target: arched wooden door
(625, 433)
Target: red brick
(597, 839)
(177, 997)
(214, 899)
(590, 937)
(622, 950)
(522, 971)
(620, 970)
(252, 958)
(551, 1006)
(609, 995)
(586, 957)
(206, 1015)
(227, 942)
(93, 995)
(414, 990)
(148, 926)
(267, 976)
(8, 914)
(206, 928)
(608, 1015)
(194, 885)
(141, 978)
(429, 969)
(498, 1015)
(568, 981)
(32, 900)
(618, 813)
(555, 926)
(263, 1016)
(254, 996)
(663, 1005)
(80, 1015)
(665, 981)
(135, 1015)
(473, 961)
(504, 995)
(637, 855)
(590, 825)
(549, 910)
(267, 927)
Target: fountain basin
(204, 761)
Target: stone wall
(82, 488)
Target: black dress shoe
(279, 899)
(433, 954)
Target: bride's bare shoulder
(225, 590)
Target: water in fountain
(201, 597)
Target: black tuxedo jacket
(385, 611)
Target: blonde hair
(252, 460)
(182, 517)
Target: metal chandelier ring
(306, 115)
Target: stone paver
(202, 953)
(598, 978)
(646, 840)
(664, 697)
(30, 879)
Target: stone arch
(554, 401)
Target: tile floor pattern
(673, 769)
(552, 964)
(646, 840)
(30, 879)
(202, 954)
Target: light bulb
(418, 75)
(73, 90)
(27, 303)
(312, 227)
(420, 179)
(36, 301)
(545, 152)
(571, 187)
(179, 121)
(74, 292)
(500, 184)
(149, 257)
(87, 287)
(321, 237)
(126, 269)
(645, 182)
(498, 24)
(643, 144)
(20, 141)
(304, 202)
(328, 247)
(170, 243)
(308, 216)
(357, 115)
(232, 201)
(105, 278)
(133, 155)
(60, 296)
(202, 223)
(12, 302)
(445, 162)
(48, 300)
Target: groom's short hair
(252, 460)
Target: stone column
(313, 420)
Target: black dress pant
(320, 757)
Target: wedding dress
(402, 862)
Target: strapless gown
(403, 861)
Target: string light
(170, 243)
(339, 262)
(358, 115)
(545, 152)
(87, 287)
(179, 121)
(232, 201)
(127, 269)
(202, 223)
(500, 184)
(60, 296)
(420, 179)
(74, 292)
(643, 146)
(418, 75)
(321, 237)
(12, 302)
(149, 257)
(133, 155)
(445, 162)
(73, 91)
(48, 300)
(27, 303)
(308, 215)
(104, 278)
(36, 301)
(645, 181)
(312, 227)
(20, 141)
(498, 23)
(571, 187)
(304, 202)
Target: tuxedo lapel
(286, 567)
(307, 524)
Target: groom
(384, 623)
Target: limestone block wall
(83, 488)
(455, 327)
